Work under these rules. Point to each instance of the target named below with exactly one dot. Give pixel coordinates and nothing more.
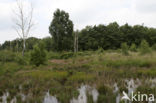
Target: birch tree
(23, 21)
(76, 41)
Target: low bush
(100, 50)
(154, 47)
(124, 48)
(67, 55)
(21, 60)
(144, 47)
(84, 53)
(133, 48)
(7, 56)
(38, 55)
(53, 55)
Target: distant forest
(93, 37)
(64, 38)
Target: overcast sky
(82, 13)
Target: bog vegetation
(107, 55)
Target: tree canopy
(112, 36)
(61, 29)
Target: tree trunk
(17, 46)
(23, 47)
(10, 46)
(75, 42)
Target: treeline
(113, 35)
(64, 38)
(17, 44)
(93, 37)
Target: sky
(82, 13)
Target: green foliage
(17, 44)
(21, 60)
(106, 37)
(53, 55)
(100, 50)
(38, 55)
(144, 47)
(84, 53)
(112, 35)
(61, 29)
(9, 68)
(66, 55)
(48, 41)
(133, 48)
(7, 56)
(154, 47)
(31, 42)
(63, 55)
(124, 48)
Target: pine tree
(133, 48)
(124, 48)
(38, 55)
(144, 47)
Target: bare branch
(30, 24)
(17, 32)
(23, 23)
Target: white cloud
(146, 6)
(82, 13)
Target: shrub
(133, 48)
(154, 47)
(144, 47)
(67, 55)
(53, 55)
(7, 56)
(21, 60)
(38, 55)
(84, 53)
(100, 50)
(124, 48)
